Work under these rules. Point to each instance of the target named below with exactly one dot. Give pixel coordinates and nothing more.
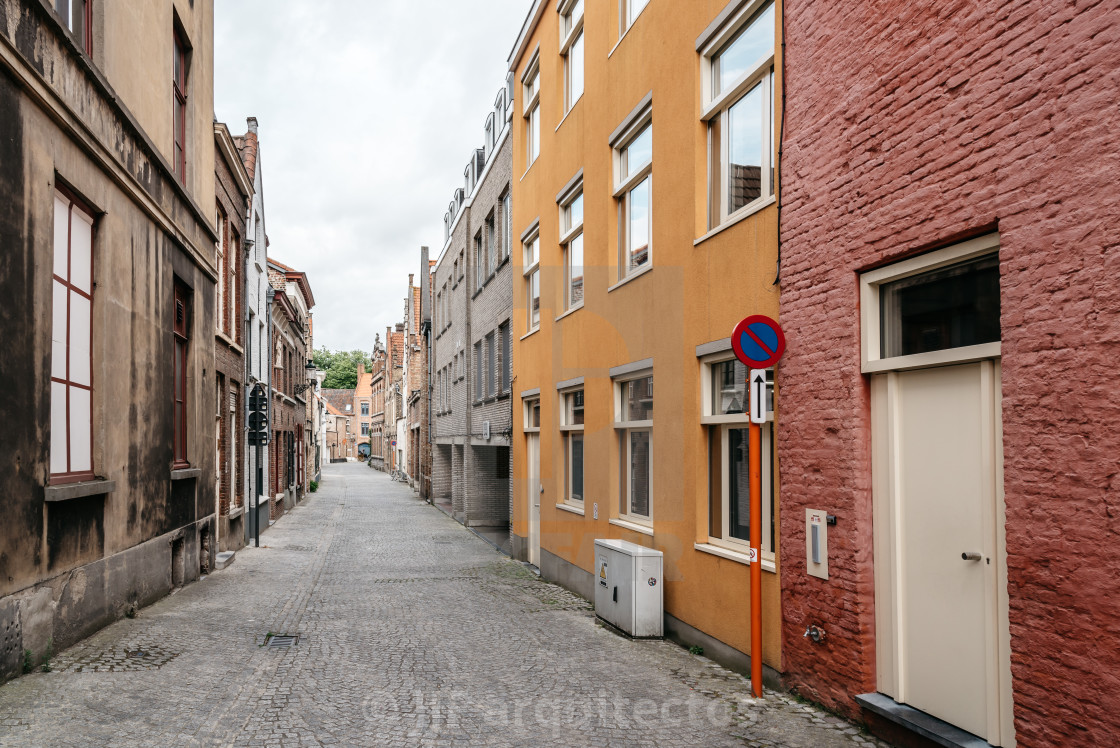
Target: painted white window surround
(737, 90)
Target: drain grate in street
(281, 641)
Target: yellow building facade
(644, 195)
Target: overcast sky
(368, 115)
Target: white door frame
(533, 456)
(886, 489)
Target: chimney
(252, 122)
(425, 290)
(361, 371)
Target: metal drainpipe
(432, 458)
(268, 364)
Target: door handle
(971, 556)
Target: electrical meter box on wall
(816, 543)
(629, 588)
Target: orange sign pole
(756, 563)
(759, 343)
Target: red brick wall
(908, 126)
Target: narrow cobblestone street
(412, 631)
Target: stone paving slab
(412, 632)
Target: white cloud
(368, 113)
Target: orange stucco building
(644, 143)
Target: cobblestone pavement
(412, 631)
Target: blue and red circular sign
(758, 342)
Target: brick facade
(472, 312)
(233, 191)
(909, 127)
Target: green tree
(341, 367)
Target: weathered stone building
(419, 461)
(107, 273)
(470, 338)
(233, 190)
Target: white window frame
(569, 233)
(716, 106)
(532, 272)
(531, 109)
(623, 430)
(870, 282)
(527, 406)
(724, 423)
(572, 45)
(625, 182)
(628, 14)
(507, 219)
(568, 430)
(506, 381)
(71, 383)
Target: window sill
(229, 342)
(741, 558)
(643, 529)
(236, 512)
(534, 331)
(528, 169)
(573, 508)
(743, 418)
(573, 310)
(186, 474)
(68, 491)
(633, 276)
(627, 31)
(766, 203)
(571, 109)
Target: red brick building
(950, 288)
(292, 302)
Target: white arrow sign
(758, 395)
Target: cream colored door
(942, 641)
(533, 455)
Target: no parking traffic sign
(758, 342)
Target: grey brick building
(472, 305)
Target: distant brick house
(377, 385)
(291, 306)
(949, 289)
(418, 466)
(233, 190)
